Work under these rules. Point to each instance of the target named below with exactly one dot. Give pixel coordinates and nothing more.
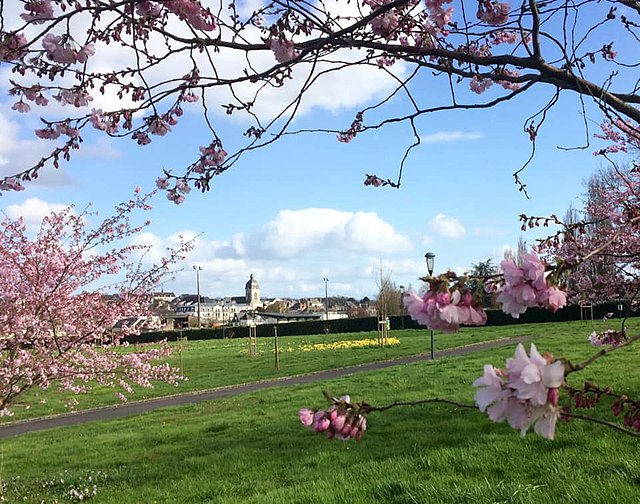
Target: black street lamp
(402, 305)
(326, 299)
(325, 324)
(430, 258)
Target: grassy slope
(252, 449)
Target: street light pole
(326, 299)
(430, 259)
(198, 270)
(402, 305)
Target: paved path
(121, 410)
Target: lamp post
(430, 258)
(402, 305)
(326, 299)
(198, 270)
(325, 325)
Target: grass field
(215, 363)
(251, 448)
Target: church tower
(252, 292)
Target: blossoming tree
(62, 292)
(178, 54)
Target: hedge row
(494, 318)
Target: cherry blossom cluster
(386, 23)
(341, 420)
(621, 135)
(52, 132)
(193, 12)
(283, 50)
(37, 11)
(444, 307)
(608, 337)
(61, 49)
(13, 47)
(493, 12)
(525, 393)
(349, 134)
(528, 285)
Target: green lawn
(252, 449)
(215, 363)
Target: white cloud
(447, 226)
(314, 243)
(451, 136)
(32, 211)
(296, 232)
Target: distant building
(252, 293)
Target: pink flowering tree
(177, 55)
(62, 292)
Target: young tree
(56, 324)
(389, 299)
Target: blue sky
(297, 211)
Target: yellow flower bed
(345, 345)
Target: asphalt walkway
(133, 408)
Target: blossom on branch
(341, 420)
(524, 394)
(283, 50)
(526, 286)
(443, 309)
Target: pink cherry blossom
(38, 11)
(306, 417)
(283, 50)
(193, 12)
(158, 126)
(182, 186)
(162, 183)
(13, 47)
(172, 195)
(445, 311)
(493, 12)
(58, 50)
(21, 107)
(526, 286)
(525, 394)
(478, 85)
(48, 133)
(11, 184)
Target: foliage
(55, 323)
(177, 54)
